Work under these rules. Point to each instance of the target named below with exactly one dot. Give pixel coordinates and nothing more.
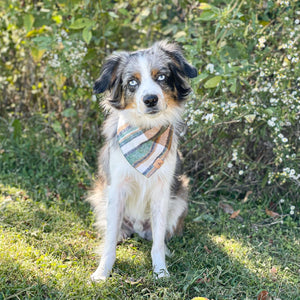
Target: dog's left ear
(175, 53)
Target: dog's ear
(180, 69)
(109, 72)
(175, 53)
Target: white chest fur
(136, 189)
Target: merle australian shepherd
(140, 186)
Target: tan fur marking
(131, 105)
(154, 73)
(137, 76)
(170, 99)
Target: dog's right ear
(109, 72)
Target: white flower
(210, 68)
(281, 200)
(230, 165)
(64, 34)
(262, 40)
(241, 172)
(234, 155)
(208, 117)
(292, 212)
(297, 21)
(271, 123)
(293, 207)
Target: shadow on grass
(217, 266)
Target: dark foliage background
(243, 116)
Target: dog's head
(147, 82)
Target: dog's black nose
(150, 100)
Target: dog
(140, 187)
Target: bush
(244, 115)
(245, 112)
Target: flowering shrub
(244, 115)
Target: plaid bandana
(145, 150)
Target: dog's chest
(137, 190)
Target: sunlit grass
(260, 263)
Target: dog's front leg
(115, 208)
(159, 210)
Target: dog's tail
(98, 200)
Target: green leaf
(124, 11)
(250, 118)
(58, 129)
(269, 112)
(82, 23)
(204, 6)
(208, 15)
(264, 181)
(233, 86)
(58, 19)
(87, 35)
(42, 42)
(204, 217)
(113, 15)
(37, 54)
(16, 124)
(213, 82)
(179, 34)
(203, 76)
(28, 22)
(69, 112)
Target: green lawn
(47, 240)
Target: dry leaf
(273, 271)
(87, 234)
(202, 280)
(226, 208)
(263, 295)
(133, 282)
(272, 213)
(246, 196)
(82, 186)
(235, 214)
(207, 250)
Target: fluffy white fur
(125, 201)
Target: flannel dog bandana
(145, 150)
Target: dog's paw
(98, 277)
(161, 273)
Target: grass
(47, 240)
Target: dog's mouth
(153, 111)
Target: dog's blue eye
(161, 77)
(132, 82)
